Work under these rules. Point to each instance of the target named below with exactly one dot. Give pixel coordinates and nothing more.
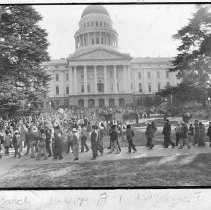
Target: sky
(144, 30)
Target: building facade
(98, 74)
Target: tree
(193, 62)
(22, 76)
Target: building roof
(151, 59)
(95, 9)
(61, 61)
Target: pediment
(100, 54)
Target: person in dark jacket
(196, 132)
(184, 136)
(17, 144)
(114, 138)
(57, 143)
(149, 135)
(130, 135)
(209, 132)
(167, 134)
(178, 133)
(48, 140)
(190, 133)
(95, 146)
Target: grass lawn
(186, 170)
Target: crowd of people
(58, 133)
(54, 135)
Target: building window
(56, 67)
(105, 24)
(100, 23)
(167, 74)
(67, 77)
(82, 88)
(139, 75)
(67, 90)
(167, 84)
(57, 102)
(158, 74)
(158, 86)
(96, 23)
(84, 25)
(149, 87)
(92, 23)
(92, 40)
(82, 76)
(140, 88)
(57, 90)
(102, 40)
(57, 77)
(97, 41)
(88, 88)
(111, 74)
(88, 24)
(149, 75)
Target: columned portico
(115, 79)
(105, 79)
(85, 79)
(95, 79)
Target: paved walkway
(157, 151)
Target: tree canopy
(193, 62)
(22, 77)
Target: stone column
(85, 79)
(115, 79)
(75, 79)
(85, 102)
(70, 81)
(106, 102)
(125, 79)
(88, 39)
(95, 79)
(105, 79)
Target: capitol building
(98, 74)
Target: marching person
(94, 143)
(33, 140)
(57, 143)
(178, 133)
(130, 135)
(7, 142)
(114, 139)
(42, 145)
(17, 144)
(75, 143)
(196, 132)
(184, 136)
(167, 134)
(201, 142)
(84, 137)
(154, 129)
(149, 135)
(48, 140)
(209, 132)
(190, 133)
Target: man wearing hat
(57, 143)
(94, 143)
(17, 144)
(114, 139)
(75, 143)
